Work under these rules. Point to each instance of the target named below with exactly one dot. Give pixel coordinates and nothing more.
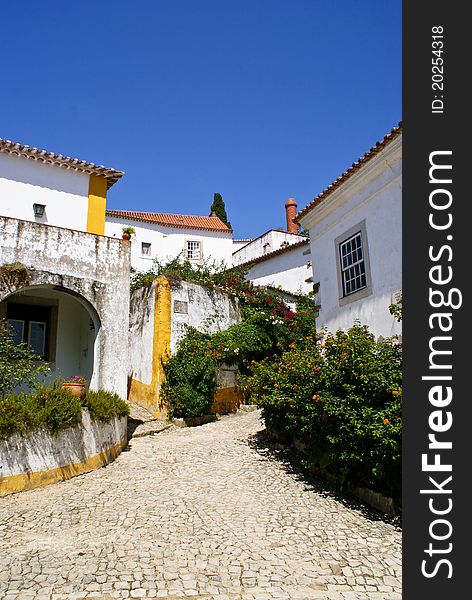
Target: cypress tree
(218, 208)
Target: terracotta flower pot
(76, 389)
(126, 236)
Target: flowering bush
(267, 328)
(342, 399)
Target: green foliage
(218, 207)
(342, 399)
(18, 365)
(267, 328)
(129, 229)
(104, 406)
(190, 377)
(207, 274)
(54, 409)
(396, 310)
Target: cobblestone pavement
(209, 512)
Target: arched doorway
(60, 326)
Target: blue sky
(258, 100)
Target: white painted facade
(204, 309)
(191, 305)
(64, 192)
(368, 201)
(238, 244)
(287, 270)
(83, 280)
(167, 242)
(264, 244)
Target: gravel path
(211, 513)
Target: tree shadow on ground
(292, 462)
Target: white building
(64, 286)
(355, 228)
(271, 240)
(52, 189)
(165, 236)
(288, 268)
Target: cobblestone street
(209, 512)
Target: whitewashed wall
(238, 244)
(373, 194)
(268, 242)
(288, 270)
(169, 242)
(25, 182)
(69, 452)
(141, 333)
(94, 268)
(207, 310)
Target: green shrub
(54, 409)
(190, 377)
(342, 399)
(18, 365)
(104, 406)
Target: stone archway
(60, 325)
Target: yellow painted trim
(226, 400)
(28, 481)
(97, 199)
(147, 395)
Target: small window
(351, 255)
(32, 324)
(145, 248)
(31, 332)
(37, 337)
(193, 250)
(17, 328)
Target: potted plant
(128, 232)
(75, 385)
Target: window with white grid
(146, 248)
(351, 255)
(194, 250)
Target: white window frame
(189, 251)
(345, 296)
(43, 349)
(351, 256)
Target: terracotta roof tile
(395, 132)
(181, 221)
(74, 164)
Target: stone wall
(159, 315)
(93, 268)
(40, 458)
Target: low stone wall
(40, 458)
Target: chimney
(291, 213)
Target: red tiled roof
(74, 164)
(167, 220)
(395, 132)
